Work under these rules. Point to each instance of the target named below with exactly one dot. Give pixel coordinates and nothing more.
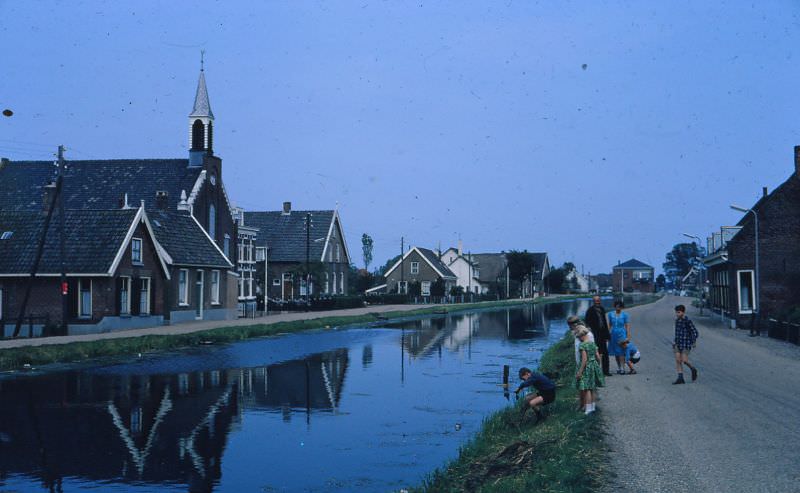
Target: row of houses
(752, 268)
(151, 241)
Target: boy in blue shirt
(545, 391)
(632, 357)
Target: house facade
(633, 276)
(288, 240)
(185, 199)
(734, 288)
(247, 257)
(422, 269)
(465, 268)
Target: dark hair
(619, 303)
(680, 308)
(523, 371)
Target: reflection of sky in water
(359, 409)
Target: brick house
(633, 276)
(185, 199)
(422, 267)
(731, 258)
(116, 276)
(285, 242)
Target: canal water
(357, 409)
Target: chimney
(287, 207)
(48, 196)
(3, 162)
(764, 191)
(797, 160)
(183, 205)
(460, 247)
(162, 197)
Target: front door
(198, 313)
(288, 287)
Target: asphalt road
(736, 429)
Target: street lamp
(700, 270)
(757, 309)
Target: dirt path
(736, 429)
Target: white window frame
(402, 287)
(215, 287)
(334, 283)
(80, 299)
(144, 299)
(226, 245)
(134, 250)
(126, 284)
(327, 283)
(415, 267)
(183, 287)
(425, 288)
(276, 281)
(212, 221)
(753, 302)
(341, 283)
(338, 253)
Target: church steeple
(201, 122)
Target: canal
(366, 409)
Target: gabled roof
(428, 256)
(633, 264)
(491, 266)
(285, 234)
(186, 241)
(93, 241)
(97, 184)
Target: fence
(784, 331)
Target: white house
(466, 269)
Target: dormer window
(6, 235)
(136, 250)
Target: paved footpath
(737, 429)
(189, 327)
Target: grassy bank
(15, 358)
(564, 452)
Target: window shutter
(136, 295)
(118, 294)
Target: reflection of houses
(731, 256)
(149, 428)
(289, 243)
(633, 276)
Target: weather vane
(202, 55)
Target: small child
(545, 390)
(590, 374)
(632, 357)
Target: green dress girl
(592, 376)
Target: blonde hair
(581, 332)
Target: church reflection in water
(150, 428)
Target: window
(426, 288)
(747, 298)
(327, 283)
(226, 246)
(212, 221)
(124, 295)
(402, 287)
(338, 254)
(276, 282)
(144, 296)
(415, 267)
(215, 287)
(341, 283)
(183, 287)
(6, 235)
(85, 298)
(261, 254)
(136, 250)
(334, 283)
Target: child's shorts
(548, 395)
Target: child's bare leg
(685, 360)
(678, 361)
(536, 401)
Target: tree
(389, 263)
(366, 248)
(679, 261)
(661, 282)
(520, 265)
(556, 280)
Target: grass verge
(563, 452)
(15, 358)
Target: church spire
(200, 121)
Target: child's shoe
(678, 381)
(694, 374)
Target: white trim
(230, 264)
(141, 216)
(149, 288)
(184, 294)
(200, 286)
(201, 178)
(412, 270)
(215, 295)
(376, 288)
(141, 251)
(753, 301)
(91, 295)
(126, 241)
(125, 280)
(336, 220)
(415, 249)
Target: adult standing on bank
(685, 340)
(596, 320)
(619, 322)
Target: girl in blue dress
(619, 322)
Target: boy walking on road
(685, 340)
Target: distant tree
(557, 279)
(520, 265)
(389, 263)
(366, 249)
(679, 261)
(360, 280)
(661, 282)
(456, 290)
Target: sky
(594, 131)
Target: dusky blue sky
(595, 131)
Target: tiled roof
(491, 266)
(285, 234)
(633, 264)
(100, 184)
(185, 240)
(434, 260)
(92, 240)
(202, 107)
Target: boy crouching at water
(545, 391)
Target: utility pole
(402, 274)
(40, 245)
(61, 247)
(308, 259)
